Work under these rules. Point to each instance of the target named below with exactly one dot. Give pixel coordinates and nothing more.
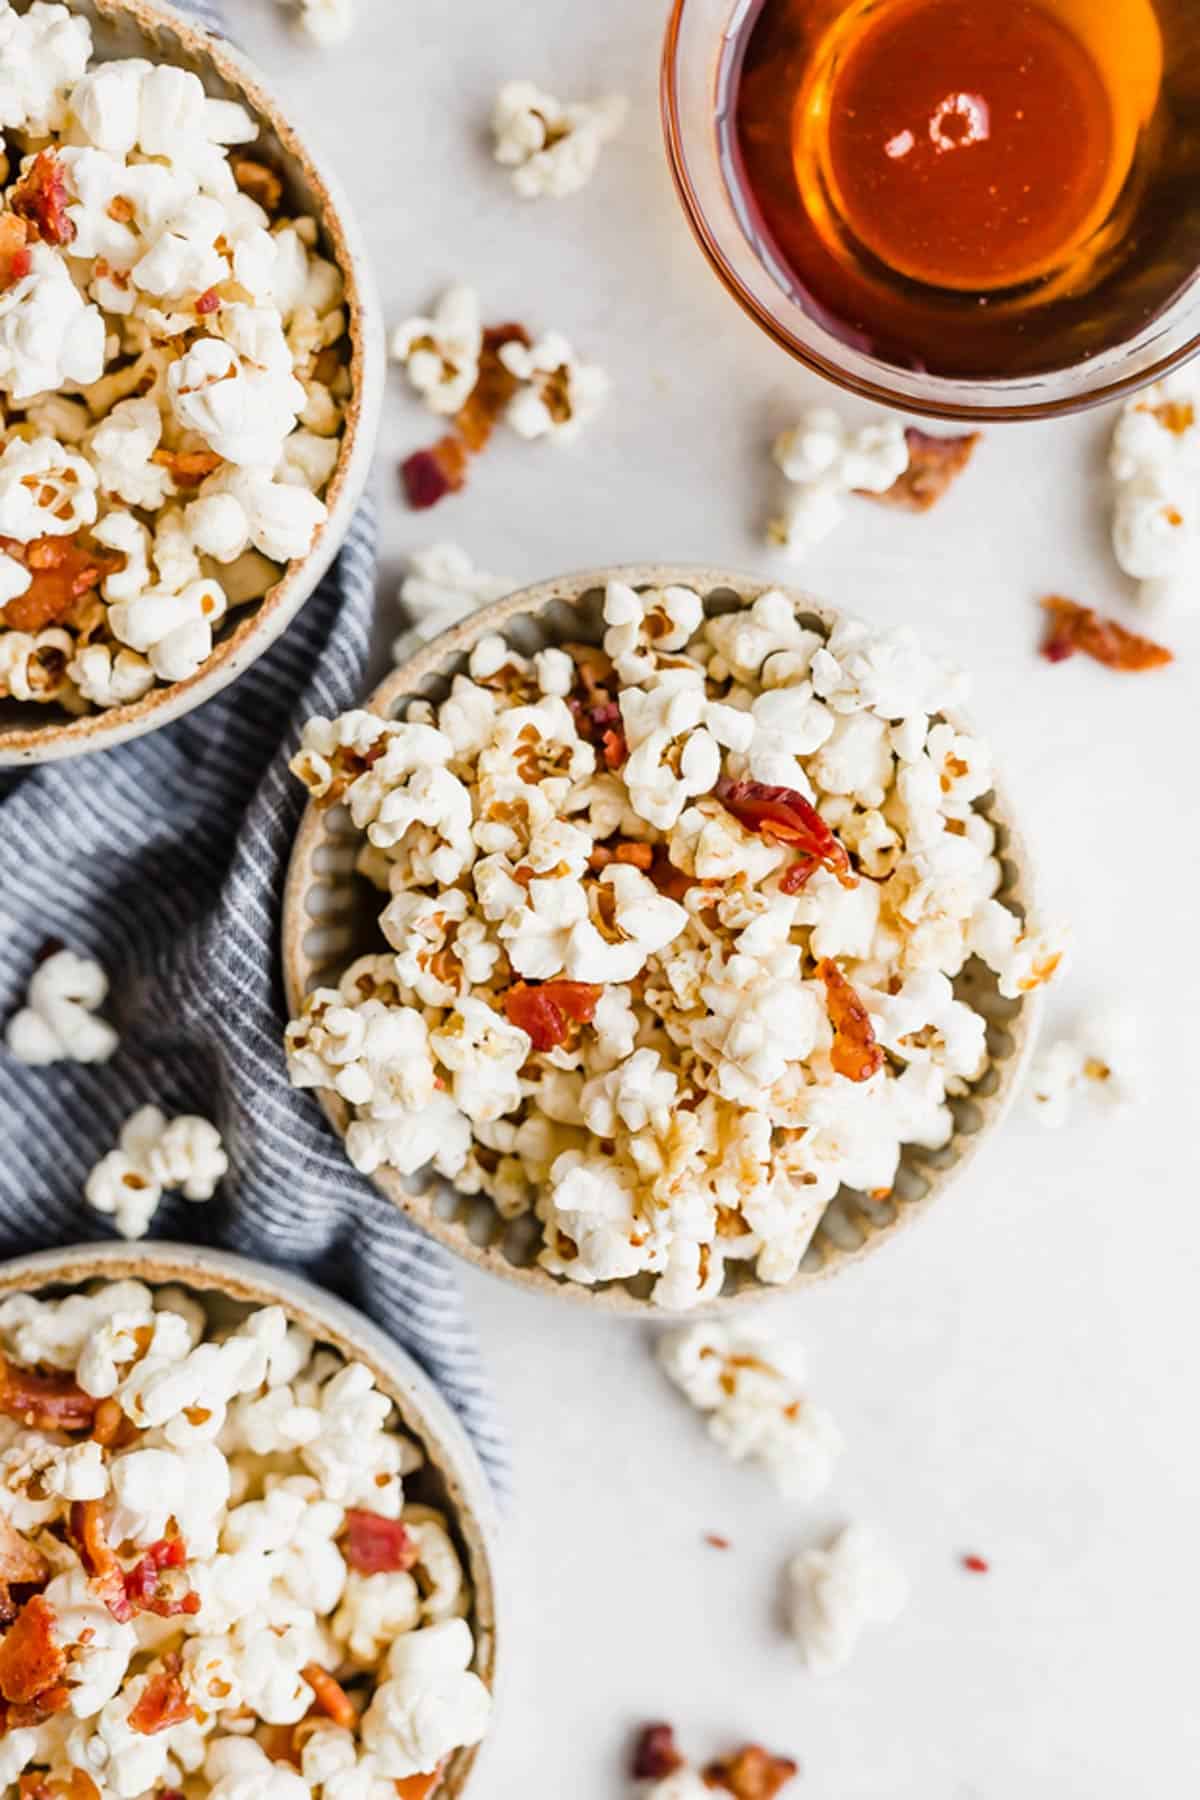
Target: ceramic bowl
(331, 914)
(452, 1480)
(151, 29)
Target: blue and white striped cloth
(164, 859)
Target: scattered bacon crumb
(15, 257)
(429, 475)
(375, 1545)
(547, 1009)
(751, 1773)
(331, 1697)
(418, 1787)
(153, 1584)
(162, 1703)
(655, 1754)
(64, 569)
(208, 302)
(31, 1660)
(793, 880)
(188, 468)
(782, 816)
(978, 1565)
(20, 1561)
(716, 1541)
(41, 198)
(934, 463)
(1073, 627)
(87, 1531)
(43, 1402)
(256, 179)
(855, 1054)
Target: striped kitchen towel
(165, 859)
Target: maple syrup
(973, 188)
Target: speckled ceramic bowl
(453, 1479)
(331, 917)
(152, 29)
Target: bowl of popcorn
(660, 937)
(246, 1548)
(190, 369)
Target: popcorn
(825, 462)
(154, 1155)
(758, 1411)
(552, 149)
(1155, 466)
(443, 586)
(43, 52)
(430, 1704)
(674, 927)
(440, 354)
(558, 394)
(833, 1594)
(58, 1023)
(1098, 1060)
(325, 22)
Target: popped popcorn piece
(758, 1411)
(442, 586)
(552, 149)
(825, 462)
(43, 52)
(557, 394)
(58, 1022)
(835, 1593)
(154, 1155)
(431, 1703)
(1155, 467)
(440, 354)
(325, 22)
(1098, 1060)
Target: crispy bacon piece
(375, 1545)
(622, 850)
(188, 468)
(21, 1563)
(87, 1531)
(782, 816)
(493, 389)
(153, 1585)
(31, 1660)
(41, 198)
(793, 880)
(64, 569)
(751, 1773)
(429, 475)
(1073, 627)
(656, 1754)
(855, 1054)
(977, 1565)
(548, 1009)
(53, 1402)
(933, 464)
(208, 302)
(163, 1702)
(418, 1787)
(330, 1696)
(15, 257)
(256, 179)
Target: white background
(1018, 1375)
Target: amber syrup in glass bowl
(977, 189)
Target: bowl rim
(264, 620)
(1112, 387)
(421, 1207)
(424, 1413)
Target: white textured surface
(1018, 1376)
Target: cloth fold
(165, 860)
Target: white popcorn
(155, 1155)
(430, 1704)
(49, 335)
(440, 354)
(558, 394)
(58, 1022)
(325, 22)
(442, 586)
(44, 490)
(825, 462)
(1099, 1060)
(833, 1594)
(122, 447)
(43, 52)
(552, 149)
(243, 407)
(1155, 466)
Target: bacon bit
(855, 1054)
(621, 850)
(716, 1541)
(978, 1565)
(52, 1700)
(782, 816)
(545, 1009)
(43, 1402)
(419, 1787)
(614, 749)
(15, 257)
(377, 1546)
(798, 876)
(673, 882)
(163, 1702)
(279, 1743)
(188, 468)
(751, 1773)
(108, 1423)
(208, 302)
(934, 463)
(656, 1754)
(330, 1696)
(151, 1586)
(41, 198)
(1074, 627)
(429, 475)
(256, 179)
(30, 1658)
(88, 1533)
(64, 570)
(20, 1561)
(493, 389)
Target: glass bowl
(698, 95)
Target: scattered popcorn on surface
(440, 354)
(752, 1391)
(325, 22)
(206, 1531)
(442, 586)
(833, 1594)
(557, 394)
(59, 1021)
(155, 1154)
(552, 149)
(1098, 1061)
(1155, 465)
(173, 369)
(674, 930)
(824, 462)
